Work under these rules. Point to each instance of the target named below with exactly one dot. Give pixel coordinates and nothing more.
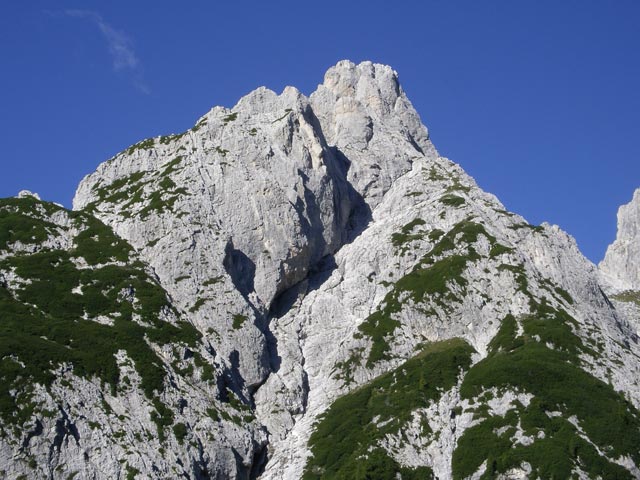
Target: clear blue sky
(538, 100)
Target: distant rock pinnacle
(621, 264)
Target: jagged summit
(365, 113)
(301, 287)
(620, 267)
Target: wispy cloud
(120, 47)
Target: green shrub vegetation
(502, 211)
(457, 186)
(45, 323)
(207, 372)
(452, 200)
(167, 139)
(544, 361)
(345, 368)
(628, 296)
(435, 234)
(213, 414)
(166, 183)
(405, 236)
(180, 432)
(97, 243)
(162, 200)
(498, 249)
(130, 190)
(344, 443)
(230, 118)
(143, 145)
(127, 189)
(238, 321)
(199, 302)
(171, 166)
(564, 294)
(435, 176)
(212, 281)
(429, 280)
(519, 226)
(199, 125)
(222, 151)
(520, 275)
(131, 472)
(162, 416)
(21, 221)
(287, 111)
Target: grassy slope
(46, 321)
(553, 376)
(344, 444)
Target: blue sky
(538, 100)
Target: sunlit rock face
(620, 268)
(621, 265)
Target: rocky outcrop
(510, 265)
(620, 268)
(242, 207)
(366, 116)
(101, 376)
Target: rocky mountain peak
(376, 83)
(365, 114)
(301, 287)
(620, 268)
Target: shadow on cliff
(357, 220)
(351, 216)
(241, 269)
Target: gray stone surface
(620, 267)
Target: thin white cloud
(120, 47)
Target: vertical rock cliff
(621, 265)
(620, 268)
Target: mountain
(301, 287)
(620, 268)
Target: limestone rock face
(336, 308)
(621, 265)
(365, 114)
(332, 299)
(230, 214)
(620, 268)
(101, 376)
(235, 211)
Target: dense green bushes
(404, 236)
(544, 361)
(343, 440)
(46, 321)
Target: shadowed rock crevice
(360, 212)
(260, 458)
(34, 432)
(241, 269)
